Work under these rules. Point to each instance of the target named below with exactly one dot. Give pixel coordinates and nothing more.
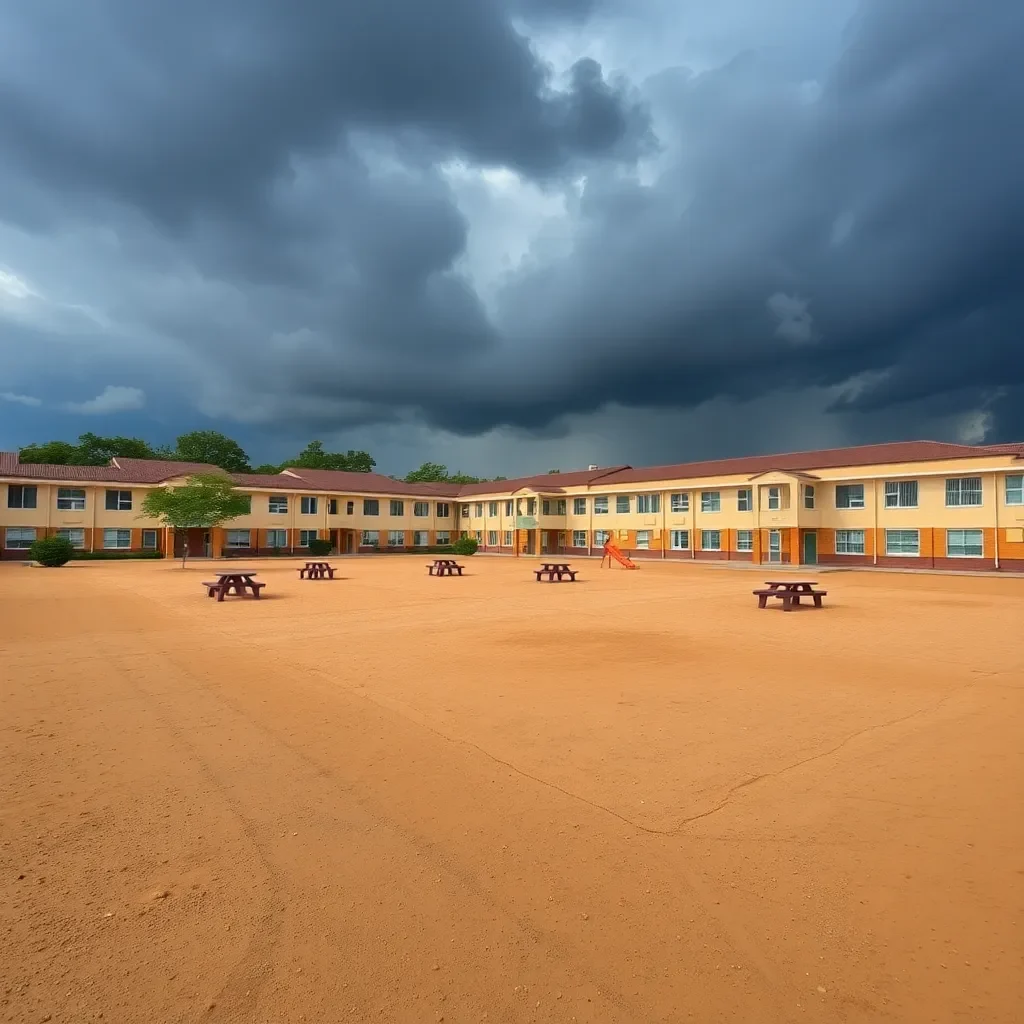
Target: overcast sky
(513, 235)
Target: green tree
(55, 453)
(205, 500)
(91, 450)
(428, 473)
(213, 448)
(51, 551)
(313, 456)
(465, 546)
(268, 469)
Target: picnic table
(317, 571)
(555, 572)
(444, 567)
(233, 581)
(790, 592)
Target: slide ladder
(611, 551)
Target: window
(808, 496)
(744, 500)
(601, 506)
(492, 538)
(744, 540)
(277, 538)
(648, 503)
(849, 542)
(71, 499)
(119, 501)
(507, 540)
(965, 490)
(19, 537)
(774, 498)
(77, 537)
(492, 509)
(419, 539)
(643, 539)
(307, 506)
(964, 544)
(561, 540)
(306, 537)
(560, 507)
(1014, 491)
(442, 537)
(332, 506)
(508, 508)
(579, 508)
(622, 503)
(902, 542)
(901, 494)
(711, 540)
(479, 535)
(396, 538)
(849, 496)
(370, 539)
(396, 508)
(579, 538)
(350, 508)
(465, 511)
(371, 507)
(421, 509)
(711, 501)
(237, 538)
(149, 540)
(20, 496)
(117, 539)
(601, 538)
(277, 504)
(478, 510)
(545, 507)
(680, 540)
(443, 510)
(531, 506)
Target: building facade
(920, 504)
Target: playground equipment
(611, 551)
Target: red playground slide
(611, 551)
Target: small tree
(51, 551)
(465, 546)
(319, 546)
(204, 501)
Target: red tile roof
(551, 482)
(365, 483)
(155, 471)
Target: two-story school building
(923, 504)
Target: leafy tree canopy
(313, 456)
(91, 450)
(435, 473)
(213, 448)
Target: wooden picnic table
(233, 581)
(317, 571)
(790, 592)
(555, 572)
(444, 567)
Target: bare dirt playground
(390, 797)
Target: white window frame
(964, 553)
(420, 539)
(956, 492)
(118, 536)
(680, 540)
(478, 510)
(271, 538)
(848, 490)
(898, 491)
(71, 499)
(444, 510)
(622, 504)
(370, 539)
(396, 508)
(774, 498)
(465, 510)
(308, 505)
(492, 538)
(704, 535)
(235, 538)
(21, 490)
(745, 499)
(1014, 494)
(119, 504)
(579, 538)
(507, 539)
(421, 509)
(809, 496)
(601, 537)
(847, 544)
(744, 540)
(443, 537)
(648, 504)
(559, 506)
(601, 505)
(903, 554)
(156, 540)
(509, 508)
(710, 501)
(643, 540)
(305, 536)
(67, 531)
(26, 537)
(277, 504)
(679, 502)
(579, 507)
(396, 538)
(492, 509)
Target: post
(995, 510)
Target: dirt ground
(397, 798)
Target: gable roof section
(363, 483)
(552, 482)
(155, 471)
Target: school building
(919, 504)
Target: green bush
(51, 551)
(465, 546)
(320, 547)
(113, 556)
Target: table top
(791, 583)
(444, 561)
(235, 572)
(308, 564)
(555, 565)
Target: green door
(810, 548)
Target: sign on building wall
(526, 522)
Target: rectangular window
(370, 539)
(1014, 490)
(77, 537)
(774, 498)
(371, 507)
(849, 495)
(71, 499)
(560, 506)
(419, 539)
(332, 506)
(237, 538)
(902, 542)
(964, 544)
(465, 511)
(711, 501)
(679, 502)
(396, 508)
(808, 496)
(350, 508)
(622, 503)
(601, 538)
(648, 503)
(849, 542)
(442, 537)
(479, 535)
(478, 510)
(19, 538)
(307, 506)
(680, 540)
(277, 504)
(507, 540)
(306, 537)
(277, 538)
(744, 540)
(531, 506)
(396, 538)
(745, 500)
(579, 538)
(420, 509)
(964, 490)
(545, 507)
(711, 540)
(149, 540)
(900, 494)
(492, 538)
(22, 496)
(643, 539)
(443, 510)
(119, 501)
(579, 508)
(492, 509)
(117, 539)
(601, 505)
(508, 508)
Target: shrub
(320, 547)
(465, 546)
(51, 551)
(113, 556)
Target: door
(544, 544)
(810, 548)
(774, 546)
(206, 544)
(531, 542)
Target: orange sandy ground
(397, 798)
